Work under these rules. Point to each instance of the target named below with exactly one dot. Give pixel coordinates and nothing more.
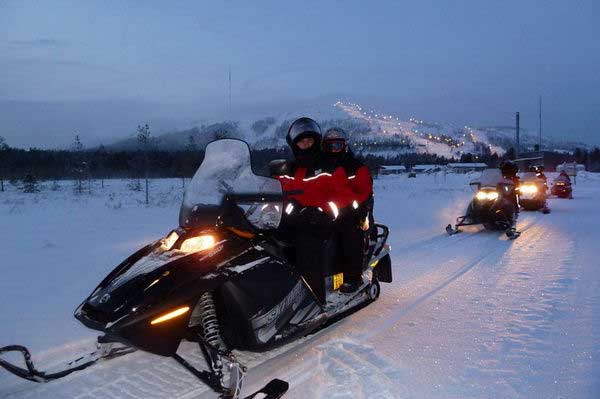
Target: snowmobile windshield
(530, 176)
(226, 172)
(490, 178)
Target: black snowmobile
(562, 187)
(492, 205)
(532, 193)
(225, 278)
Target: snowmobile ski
(512, 233)
(451, 231)
(105, 351)
(275, 389)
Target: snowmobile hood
(531, 177)
(152, 280)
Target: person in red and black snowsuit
(311, 201)
(353, 195)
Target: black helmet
(301, 128)
(509, 168)
(334, 141)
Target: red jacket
(361, 184)
(319, 190)
(335, 186)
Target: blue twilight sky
(100, 67)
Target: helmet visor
(334, 145)
(304, 127)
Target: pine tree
(30, 184)
(191, 145)
(80, 166)
(144, 139)
(77, 145)
(3, 150)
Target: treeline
(57, 165)
(33, 165)
(149, 162)
(591, 159)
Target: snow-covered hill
(371, 132)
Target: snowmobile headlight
(171, 315)
(560, 183)
(486, 195)
(197, 244)
(528, 189)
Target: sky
(98, 68)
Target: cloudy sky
(100, 67)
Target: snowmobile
(532, 193)
(491, 206)
(562, 187)
(225, 278)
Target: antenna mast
(540, 142)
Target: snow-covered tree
(30, 184)
(77, 144)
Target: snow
(468, 316)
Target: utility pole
(540, 138)
(517, 138)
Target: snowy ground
(468, 316)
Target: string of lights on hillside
(415, 132)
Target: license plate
(338, 280)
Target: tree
(143, 136)
(101, 160)
(30, 183)
(77, 145)
(3, 149)
(191, 145)
(80, 166)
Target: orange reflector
(171, 315)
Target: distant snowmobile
(492, 206)
(225, 279)
(532, 193)
(562, 187)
